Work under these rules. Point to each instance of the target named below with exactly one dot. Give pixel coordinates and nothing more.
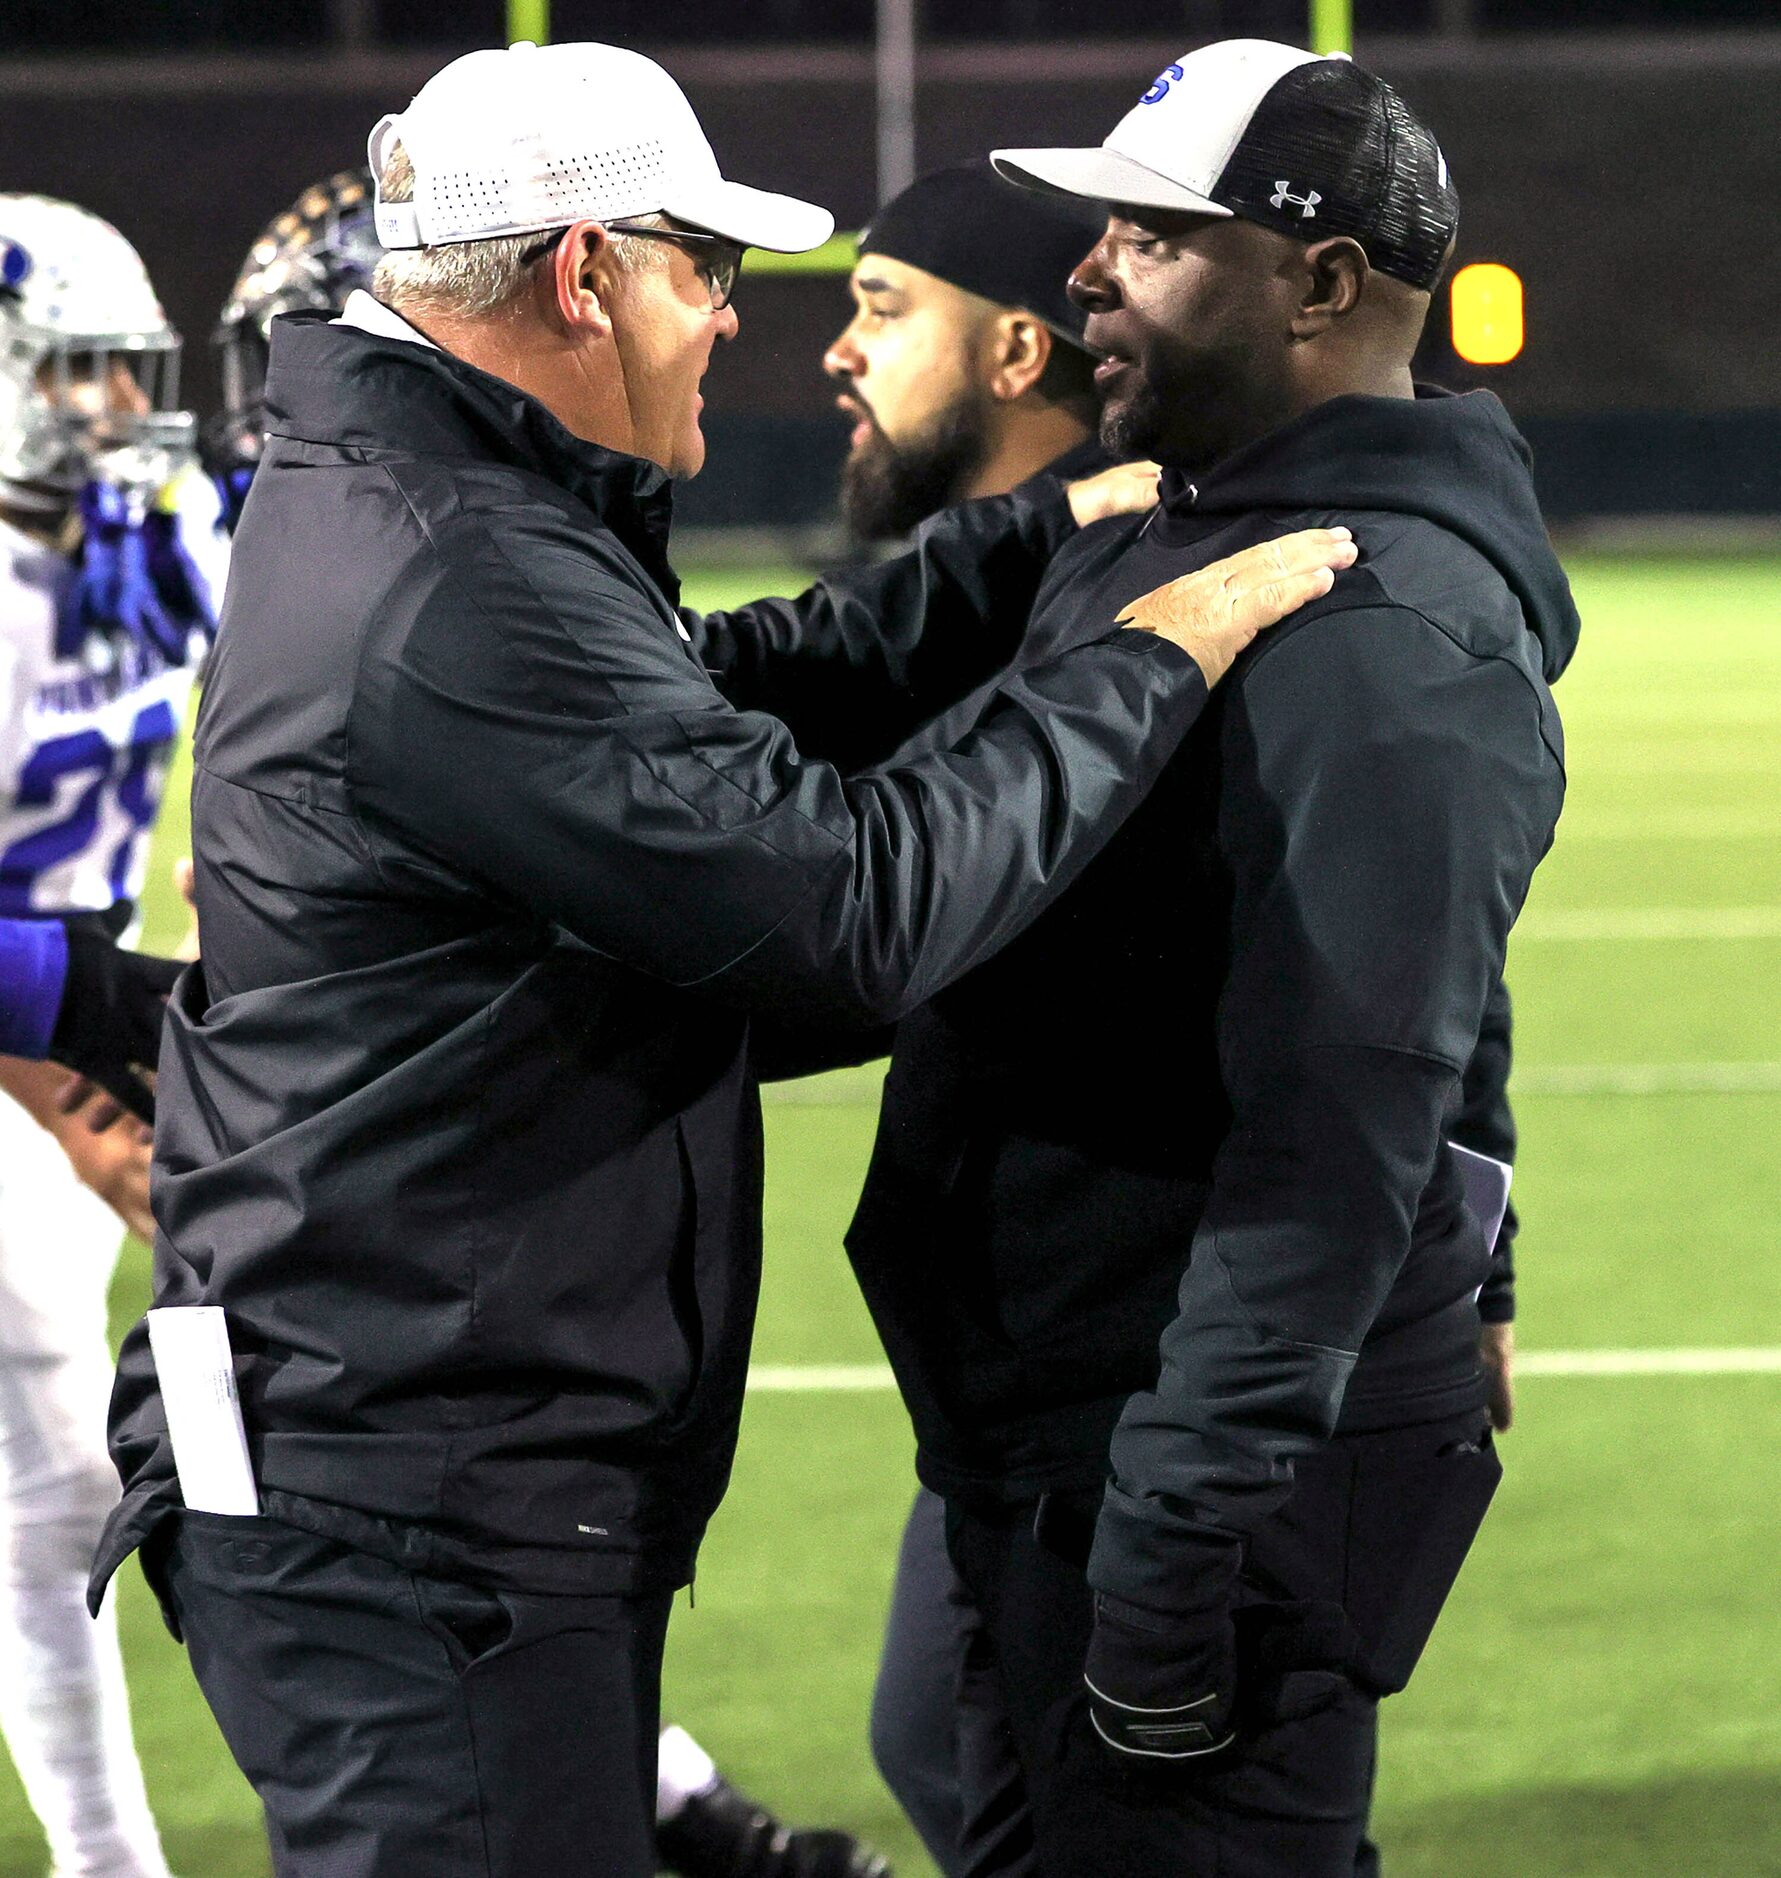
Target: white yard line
(819, 1379)
(1752, 1362)
(853, 1379)
(1649, 922)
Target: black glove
(109, 1026)
(1161, 1689)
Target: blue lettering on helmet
(1160, 90)
(15, 263)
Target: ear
(1019, 349)
(583, 272)
(1334, 281)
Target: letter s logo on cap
(1160, 90)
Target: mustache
(1097, 348)
(851, 400)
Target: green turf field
(1603, 1698)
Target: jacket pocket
(471, 1621)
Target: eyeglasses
(717, 267)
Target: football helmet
(309, 258)
(89, 365)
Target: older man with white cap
(458, 1169)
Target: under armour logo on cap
(1306, 204)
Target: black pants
(1340, 1591)
(396, 1726)
(950, 1762)
(924, 1737)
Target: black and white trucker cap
(1308, 145)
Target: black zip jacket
(1200, 1104)
(456, 1120)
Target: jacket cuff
(1143, 1557)
(1046, 494)
(1139, 642)
(1496, 1302)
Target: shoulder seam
(1389, 605)
(352, 820)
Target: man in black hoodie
(1205, 1100)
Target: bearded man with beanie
(966, 374)
(963, 366)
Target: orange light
(1487, 317)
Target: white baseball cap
(516, 141)
(1307, 145)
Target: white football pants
(63, 1709)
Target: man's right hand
(1496, 1345)
(1125, 489)
(1161, 1689)
(1213, 614)
(115, 1164)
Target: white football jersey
(84, 752)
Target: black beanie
(965, 225)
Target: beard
(1190, 409)
(889, 488)
(1133, 426)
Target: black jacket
(1241, 1036)
(455, 1117)
(1485, 1121)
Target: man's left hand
(1126, 489)
(1496, 1345)
(1161, 1688)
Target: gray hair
(470, 278)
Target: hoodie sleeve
(1385, 794)
(544, 732)
(855, 663)
(1486, 1124)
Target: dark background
(1632, 180)
(458, 25)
